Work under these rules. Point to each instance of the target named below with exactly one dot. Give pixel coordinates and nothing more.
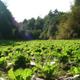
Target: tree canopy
(55, 25)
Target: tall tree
(7, 26)
(51, 22)
(71, 27)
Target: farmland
(46, 59)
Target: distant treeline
(55, 25)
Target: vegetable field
(46, 59)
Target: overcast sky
(22, 9)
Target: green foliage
(20, 74)
(48, 71)
(55, 25)
(3, 63)
(39, 28)
(70, 27)
(48, 59)
(11, 74)
(7, 26)
(75, 70)
(51, 22)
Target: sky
(22, 9)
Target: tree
(32, 27)
(70, 29)
(7, 26)
(63, 29)
(51, 22)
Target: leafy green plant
(20, 74)
(75, 70)
(48, 71)
(3, 63)
(11, 74)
